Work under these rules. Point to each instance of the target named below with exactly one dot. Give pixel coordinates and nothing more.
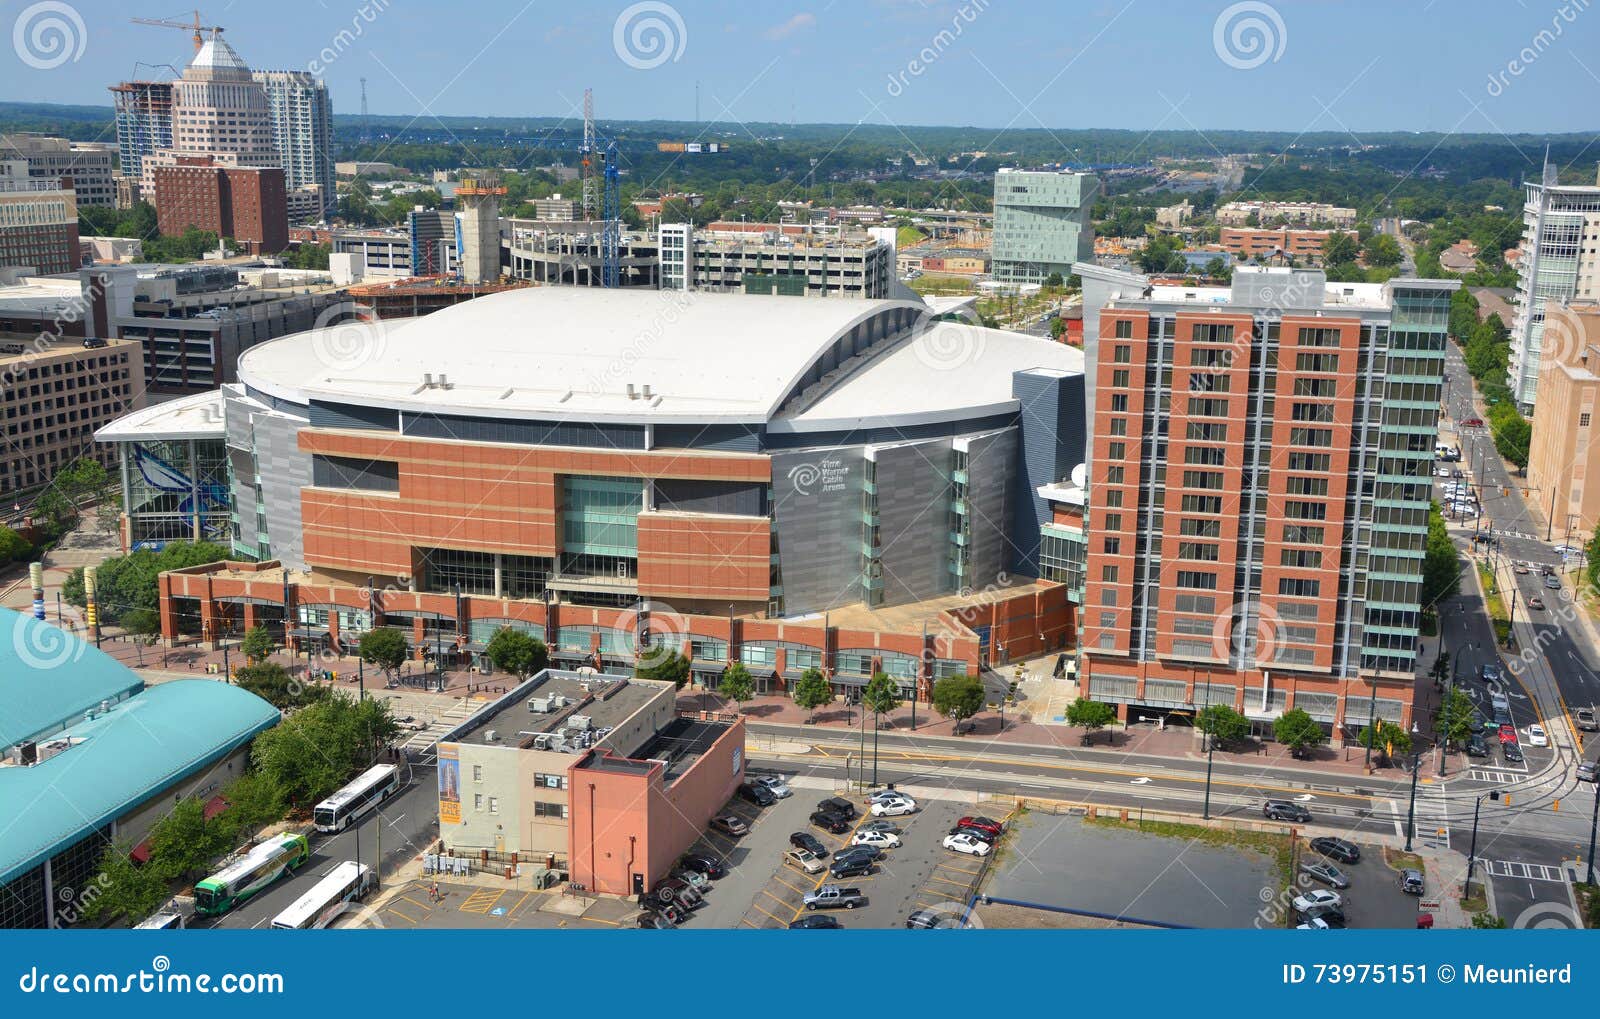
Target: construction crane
(607, 178)
(197, 28)
(586, 156)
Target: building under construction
(546, 251)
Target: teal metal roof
(118, 760)
(49, 677)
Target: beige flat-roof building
(1563, 451)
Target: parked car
(839, 805)
(1284, 810)
(1584, 717)
(828, 821)
(896, 807)
(809, 842)
(776, 785)
(1333, 916)
(693, 878)
(1314, 924)
(858, 853)
(881, 839)
(1588, 771)
(730, 824)
(804, 861)
(650, 920)
(755, 792)
(679, 893)
(888, 792)
(1319, 897)
(1508, 733)
(834, 897)
(1537, 737)
(987, 824)
(980, 834)
(1512, 753)
(932, 919)
(1342, 850)
(816, 923)
(1411, 881)
(1325, 872)
(888, 826)
(1441, 472)
(849, 866)
(965, 843)
(705, 863)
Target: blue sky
(1337, 65)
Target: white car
(966, 844)
(876, 839)
(1441, 472)
(1466, 509)
(1537, 737)
(1565, 549)
(775, 785)
(1318, 897)
(1316, 923)
(895, 807)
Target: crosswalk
(1526, 871)
(420, 745)
(1496, 776)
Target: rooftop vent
(631, 394)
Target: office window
(1583, 421)
(549, 810)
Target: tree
(1441, 667)
(511, 650)
(121, 888)
(1224, 725)
(257, 645)
(183, 844)
(1488, 921)
(1090, 715)
(1297, 730)
(1385, 738)
(1592, 563)
(881, 695)
(1511, 439)
(14, 548)
(108, 516)
(1456, 717)
(1441, 570)
(1340, 249)
(253, 801)
(737, 684)
(313, 751)
(1053, 280)
(273, 684)
(812, 691)
(1383, 250)
(143, 623)
(1058, 328)
(958, 698)
(129, 582)
(385, 648)
(672, 667)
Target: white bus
(161, 922)
(371, 788)
(348, 882)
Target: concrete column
(169, 618)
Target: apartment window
(1203, 479)
(1113, 546)
(1324, 388)
(477, 801)
(1197, 581)
(1207, 456)
(549, 810)
(1119, 378)
(1114, 475)
(1108, 574)
(1211, 408)
(1301, 534)
(1583, 421)
(1212, 332)
(1296, 510)
(477, 773)
(1200, 528)
(1296, 588)
(1122, 330)
(1310, 462)
(1201, 504)
(1316, 362)
(1203, 383)
(494, 804)
(1306, 486)
(1122, 353)
(549, 781)
(1211, 357)
(1201, 604)
(1311, 437)
(1113, 498)
(1319, 337)
(1301, 558)
(1205, 431)
(1312, 412)
(1108, 619)
(1119, 403)
(1196, 551)
(1116, 450)
(1112, 522)
(1119, 426)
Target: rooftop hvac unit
(493, 735)
(540, 705)
(558, 742)
(543, 741)
(579, 722)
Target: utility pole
(1372, 718)
(1411, 811)
(1594, 821)
(1472, 853)
(1211, 746)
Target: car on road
(809, 842)
(1465, 509)
(888, 826)
(805, 861)
(1342, 850)
(1284, 810)
(730, 824)
(1565, 549)
(897, 807)
(1535, 602)
(966, 843)
(1489, 673)
(1584, 717)
(1521, 569)
(755, 792)
(816, 923)
(1325, 872)
(1552, 582)
(839, 805)
(1318, 897)
(932, 919)
(1512, 753)
(1441, 472)
(705, 863)
(1471, 423)
(834, 897)
(881, 839)
(1588, 771)
(1508, 733)
(1411, 881)
(978, 821)
(836, 824)
(1537, 736)
(775, 785)
(849, 866)
(1475, 746)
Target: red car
(980, 823)
(1471, 422)
(1508, 734)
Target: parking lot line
(414, 902)
(407, 918)
(481, 901)
(949, 881)
(513, 910)
(952, 865)
(780, 879)
(782, 923)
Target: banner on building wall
(449, 784)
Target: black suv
(1475, 746)
(810, 843)
(756, 793)
(828, 821)
(1284, 810)
(1337, 849)
(850, 866)
(838, 805)
(705, 863)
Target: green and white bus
(346, 883)
(238, 883)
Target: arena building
(842, 484)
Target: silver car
(775, 785)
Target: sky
(1496, 66)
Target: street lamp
(1472, 853)
(1211, 746)
(1411, 811)
(1372, 718)
(1594, 820)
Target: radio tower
(586, 156)
(366, 125)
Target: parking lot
(759, 891)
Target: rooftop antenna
(697, 100)
(366, 125)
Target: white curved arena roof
(572, 352)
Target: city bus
(371, 788)
(346, 883)
(238, 883)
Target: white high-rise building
(1560, 241)
(218, 110)
(301, 115)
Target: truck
(835, 897)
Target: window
(1306, 486)
(1196, 551)
(1113, 546)
(1201, 504)
(549, 810)
(1122, 353)
(1211, 332)
(1119, 378)
(1297, 588)
(1296, 510)
(477, 773)
(477, 801)
(1316, 362)
(1202, 604)
(1310, 462)
(1200, 383)
(1119, 426)
(1205, 455)
(1204, 431)
(1108, 574)
(1197, 581)
(1301, 557)
(1200, 528)
(548, 781)
(1301, 534)
(494, 804)
(1203, 479)
(1211, 408)
(1325, 388)
(1319, 337)
(1119, 403)
(1583, 421)
(1312, 412)
(1112, 522)
(1311, 437)
(1113, 498)
(1122, 330)
(1115, 475)
(1116, 450)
